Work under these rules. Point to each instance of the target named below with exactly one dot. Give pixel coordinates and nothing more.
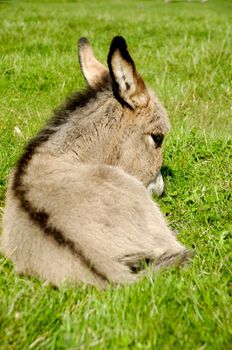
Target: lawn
(183, 50)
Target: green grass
(183, 50)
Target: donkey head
(139, 122)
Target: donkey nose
(157, 185)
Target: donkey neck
(88, 132)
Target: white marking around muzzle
(157, 185)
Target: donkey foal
(77, 206)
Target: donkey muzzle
(156, 186)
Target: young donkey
(77, 208)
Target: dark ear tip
(118, 42)
(82, 41)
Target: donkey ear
(92, 69)
(128, 86)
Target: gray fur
(77, 206)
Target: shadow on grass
(167, 171)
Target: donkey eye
(158, 139)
